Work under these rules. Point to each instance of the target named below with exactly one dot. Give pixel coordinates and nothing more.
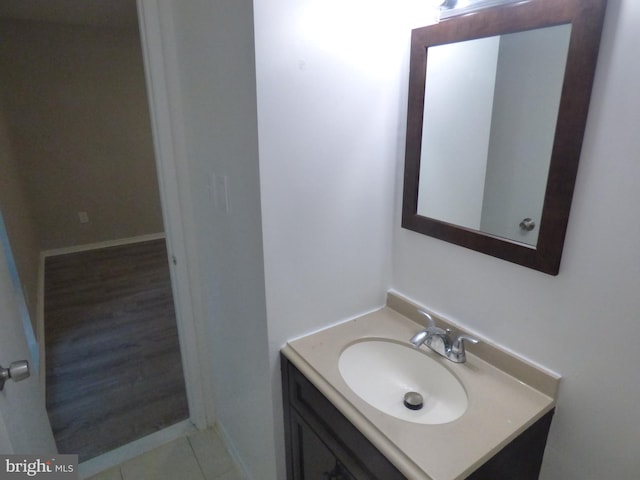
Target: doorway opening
(114, 372)
(73, 99)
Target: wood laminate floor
(114, 372)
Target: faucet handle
(458, 353)
(458, 343)
(430, 321)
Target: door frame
(161, 71)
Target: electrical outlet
(84, 217)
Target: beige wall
(16, 213)
(76, 105)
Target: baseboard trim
(233, 451)
(106, 244)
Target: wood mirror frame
(586, 19)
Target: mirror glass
(489, 120)
(497, 107)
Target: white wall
(331, 95)
(584, 323)
(214, 102)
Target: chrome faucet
(439, 340)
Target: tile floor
(196, 456)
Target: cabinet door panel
(346, 442)
(312, 458)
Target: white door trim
(161, 69)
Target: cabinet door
(304, 403)
(312, 460)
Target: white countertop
(500, 405)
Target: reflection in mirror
(497, 106)
(488, 125)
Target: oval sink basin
(383, 372)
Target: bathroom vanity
(333, 433)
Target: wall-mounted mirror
(498, 102)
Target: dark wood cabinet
(312, 458)
(321, 444)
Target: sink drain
(413, 401)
